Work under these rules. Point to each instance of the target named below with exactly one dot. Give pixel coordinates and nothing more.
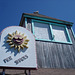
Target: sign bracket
(3, 73)
(28, 73)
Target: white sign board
(17, 48)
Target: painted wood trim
(33, 27)
(41, 21)
(69, 39)
(68, 35)
(52, 41)
(46, 19)
(43, 39)
(50, 25)
(26, 22)
(73, 32)
(51, 32)
(57, 24)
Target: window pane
(59, 33)
(42, 31)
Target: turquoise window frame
(46, 19)
(73, 32)
(25, 22)
(50, 27)
(33, 30)
(66, 30)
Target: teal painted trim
(50, 25)
(57, 24)
(51, 32)
(53, 41)
(42, 39)
(41, 21)
(69, 39)
(73, 32)
(68, 34)
(62, 42)
(33, 27)
(26, 22)
(46, 19)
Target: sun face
(17, 40)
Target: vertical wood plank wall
(55, 55)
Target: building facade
(55, 42)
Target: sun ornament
(17, 40)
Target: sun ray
(25, 37)
(18, 48)
(9, 37)
(15, 46)
(10, 43)
(9, 34)
(16, 32)
(25, 46)
(11, 46)
(26, 43)
(21, 46)
(22, 34)
(9, 40)
(13, 33)
(26, 40)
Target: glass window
(42, 31)
(59, 33)
(47, 31)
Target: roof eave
(46, 19)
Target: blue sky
(11, 10)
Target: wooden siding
(55, 55)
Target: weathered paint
(51, 31)
(73, 32)
(67, 33)
(46, 19)
(56, 55)
(50, 24)
(26, 22)
(33, 27)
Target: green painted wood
(50, 25)
(25, 22)
(51, 31)
(68, 35)
(73, 32)
(56, 55)
(46, 19)
(33, 27)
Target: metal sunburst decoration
(17, 40)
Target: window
(59, 33)
(42, 30)
(28, 24)
(46, 31)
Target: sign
(17, 48)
